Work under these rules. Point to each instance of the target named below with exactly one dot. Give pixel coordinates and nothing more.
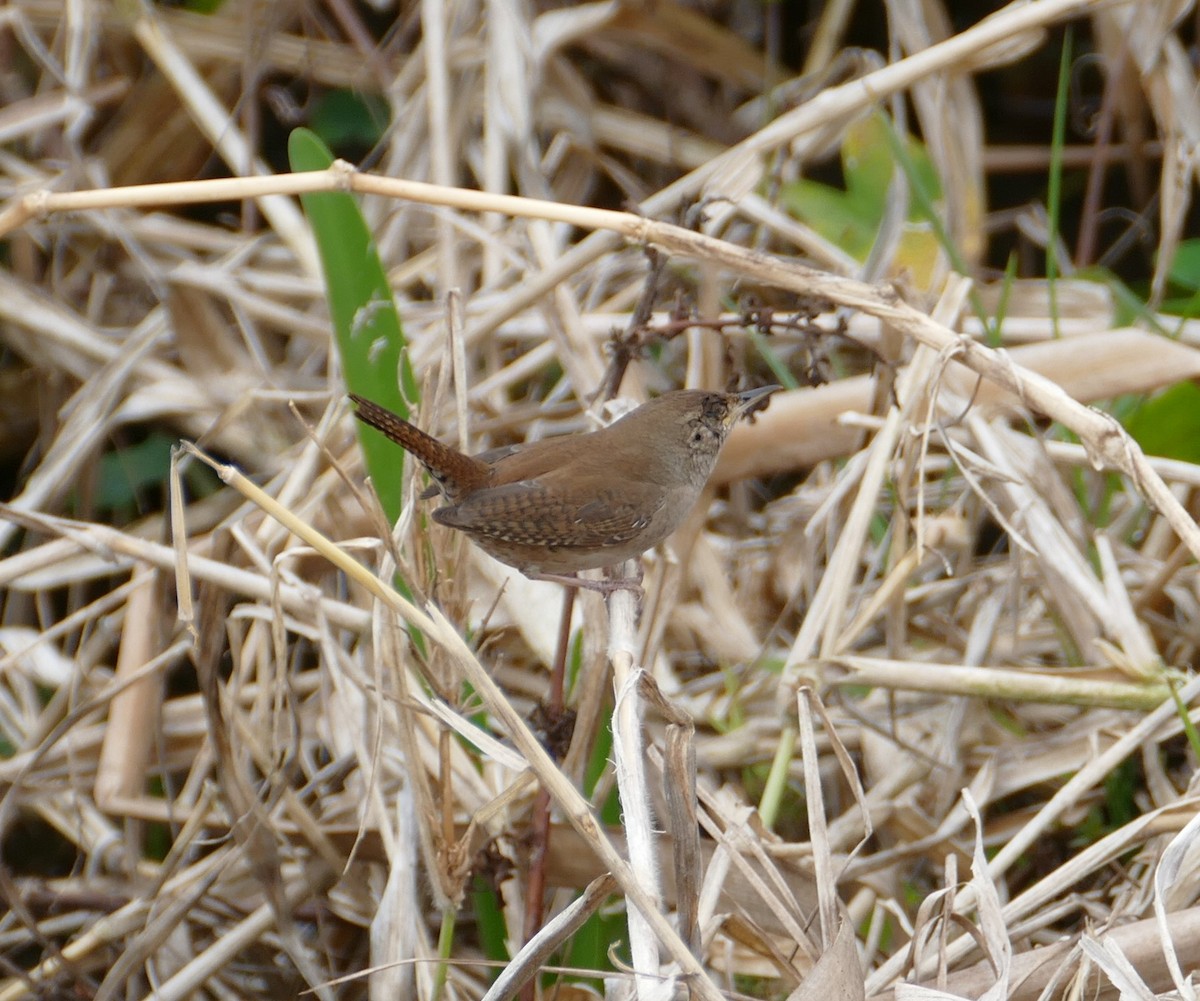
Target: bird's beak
(750, 401)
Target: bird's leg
(632, 583)
(606, 585)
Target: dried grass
(228, 766)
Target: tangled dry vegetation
(908, 712)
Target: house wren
(553, 507)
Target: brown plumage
(560, 505)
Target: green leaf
(591, 946)
(344, 118)
(1169, 424)
(128, 471)
(366, 325)
(851, 218)
(1185, 268)
(489, 920)
(833, 214)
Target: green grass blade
(366, 324)
(1054, 193)
(925, 203)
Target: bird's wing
(532, 512)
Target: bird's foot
(604, 585)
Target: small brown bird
(553, 507)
